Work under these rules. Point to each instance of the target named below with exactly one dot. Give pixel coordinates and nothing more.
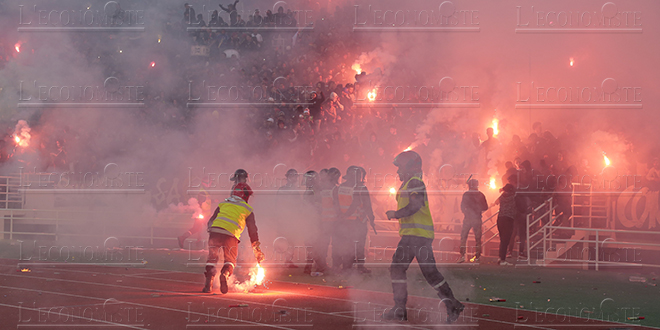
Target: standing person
(315, 109)
(289, 189)
(505, 219)
(225, 227)
(239, 176)
(233, 14)
(416, 231)
(473, 204)
(312, 198)
(355, 205)
(329, 214)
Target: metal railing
(490, 228)
(57, 219)
(10, 196)
(538, 220)
(599, 245)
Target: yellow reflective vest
(231, 216)
(419, 224)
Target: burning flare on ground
(25, 270)
(256, 277)
(495, 126)
(492, 184)
(261, 274)
(473, 259)
(357, 68)
(372, 95)
(607, 160)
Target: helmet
(310, 179)
(291, 173)
(353, 174)
(242, 190)
(409, 161)
(239, 174)
(334, 174)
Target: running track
(97, 297)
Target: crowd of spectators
(314, 105)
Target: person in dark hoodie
(473, 204)
(505, 219)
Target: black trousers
(505, 227)
(420, 248)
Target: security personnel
(312, 202)
(291, 192)
(416, 231)
(204, 200)
(329, 180)
(355, 205)
(225, 227)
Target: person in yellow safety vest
(226, 224)
(416, 231)
(328, 180)
(239, 176)
(355, 205)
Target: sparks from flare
(261, 274)
(495, 125)
(372, 95)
